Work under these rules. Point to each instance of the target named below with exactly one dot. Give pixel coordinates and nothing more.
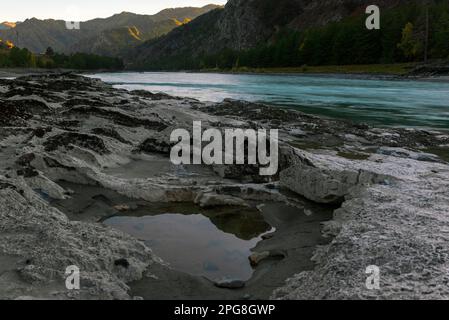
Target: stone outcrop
(397, 223)
(328, 179)
(43, 243)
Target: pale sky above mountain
(81, 10)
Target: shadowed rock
(67, 139)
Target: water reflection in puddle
(213, 243)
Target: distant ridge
(7, 25)
(107, 36)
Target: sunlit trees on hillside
(410, 46)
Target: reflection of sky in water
(192, 243)
(410, 103)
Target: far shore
(384, 72)
(399, 71)
(18, 72)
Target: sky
(81, 10)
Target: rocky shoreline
(390, 186)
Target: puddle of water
(215, 244)
(298, 232)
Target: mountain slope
(240, 25)
(128, 30)
(107, 36)
(244, 24)
(7, 25)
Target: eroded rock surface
(392, 189)
(72, 129)
(397, 223)
(45, 243)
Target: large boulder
(327, 179)
(398, 226)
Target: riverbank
(435, 70)
(376, 69)
(430, 72)
(386, 191)
(19, 72)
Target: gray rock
(257, 257)
(326, 179)
(405, 153)
(400, 228)
(230, 284)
